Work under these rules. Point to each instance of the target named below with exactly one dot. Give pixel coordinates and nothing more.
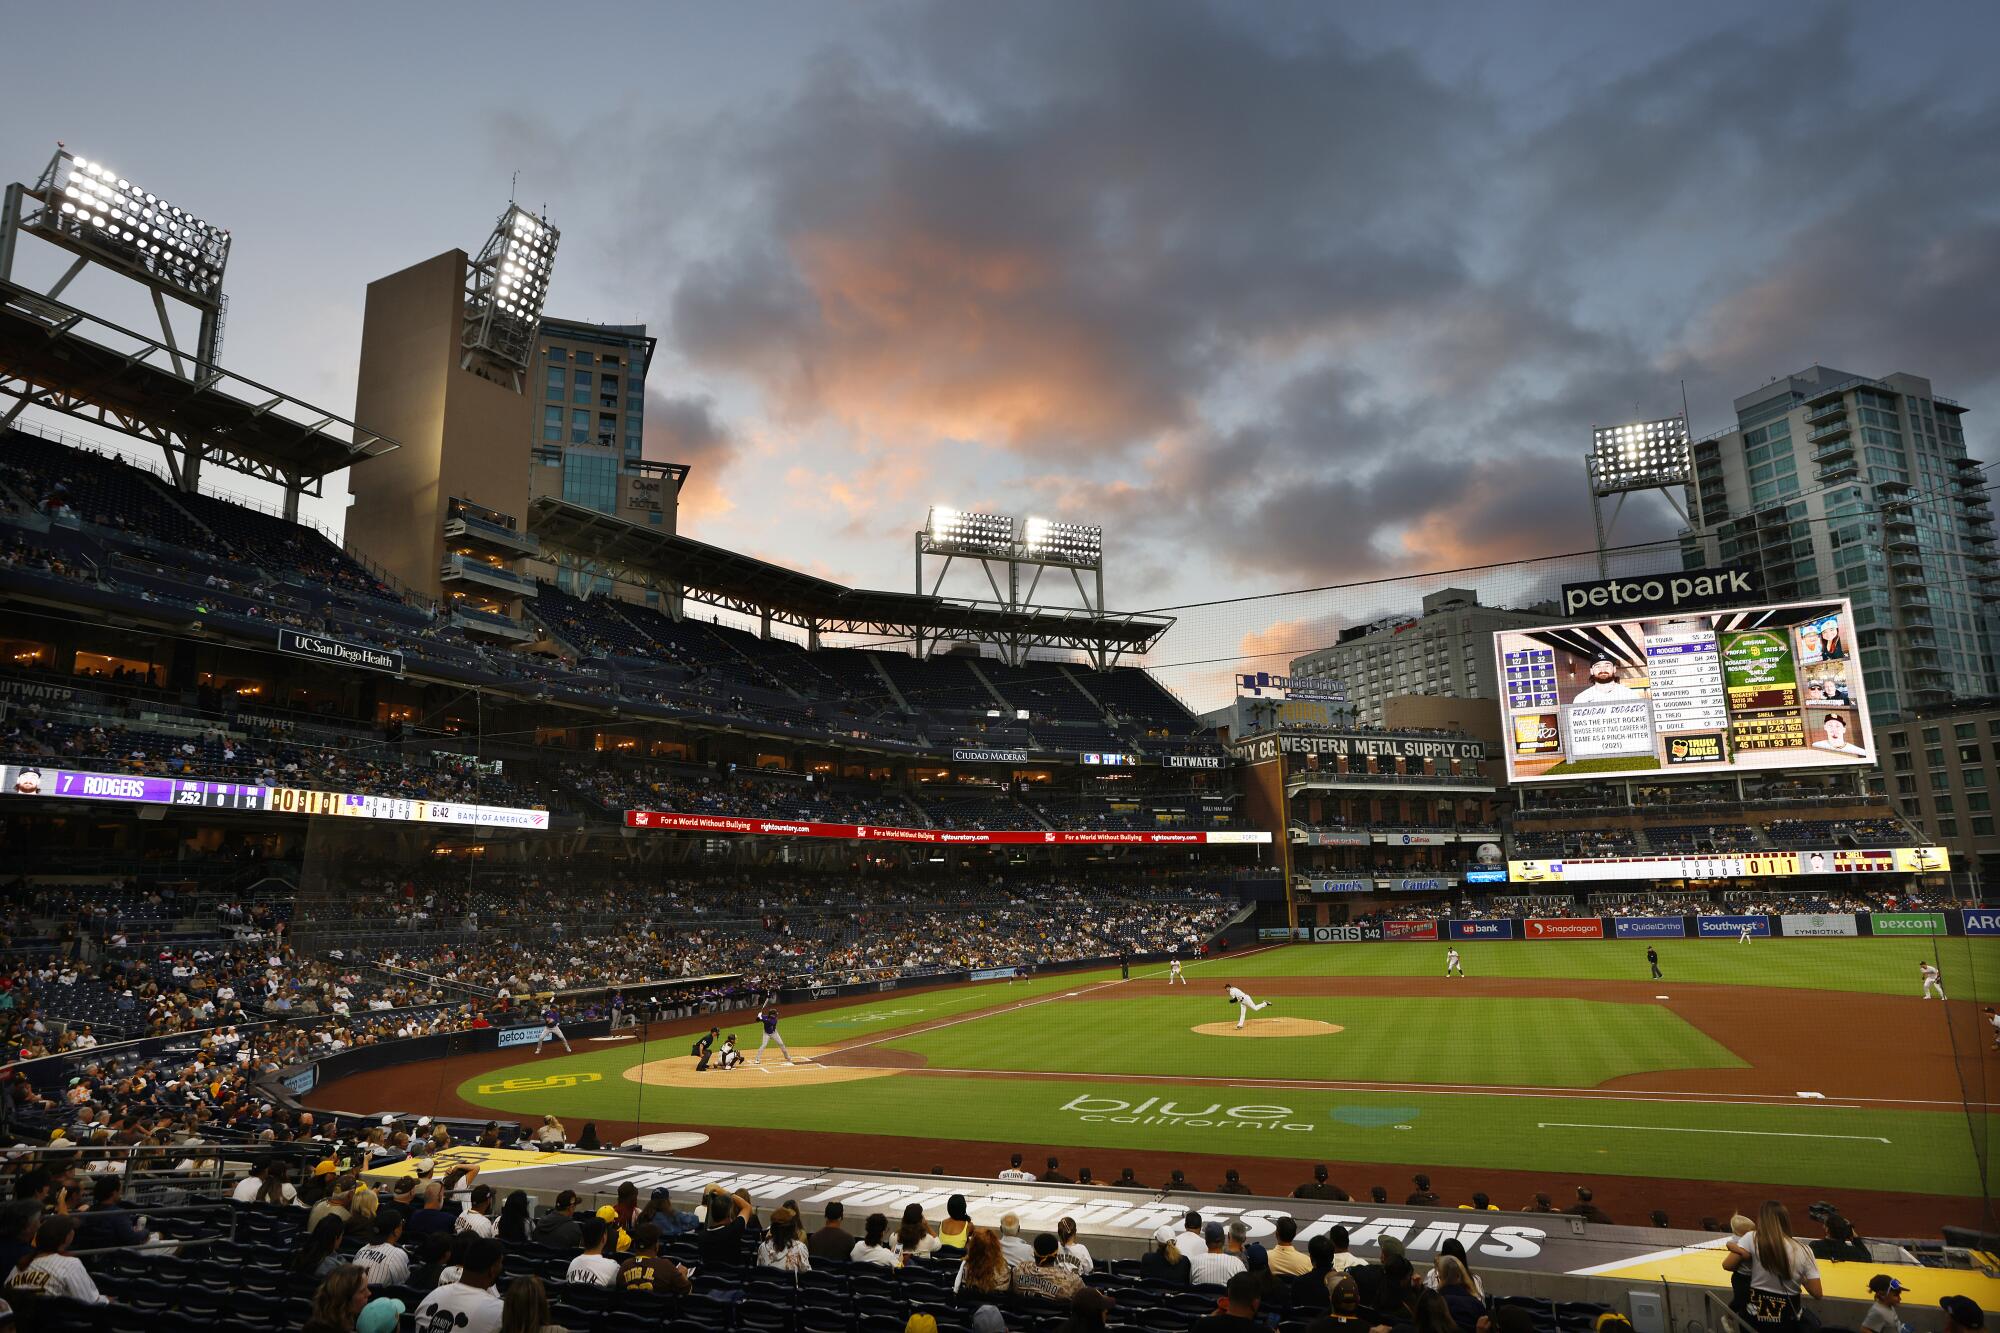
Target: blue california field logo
(1192, 1115)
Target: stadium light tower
(1637, 456)
(999, 542)
(504, 291)
(87, 208)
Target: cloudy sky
(1283, 295)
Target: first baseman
(1244, 1004)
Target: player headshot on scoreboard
(1833, 736)
(1605, 687)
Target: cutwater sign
(1908, 923)
(1171, 1113)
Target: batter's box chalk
(1814, 1096)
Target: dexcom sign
(1981, 922)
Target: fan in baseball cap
(381, 1315)
(1963, 1312)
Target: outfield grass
(1529, 1042)
(1926, 1153)
(1971, 967)
(1510, 1042)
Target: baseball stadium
(438, 918)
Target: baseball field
(1795, 1068)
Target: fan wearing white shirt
(469, 1305)
(1214, 1267)
(478, 1216)
(592, 1265)
(1014, 1171)
(873, 1247)
(52, 1272)
(386, 1263)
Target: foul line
(845, 1047)
(1677, 1129)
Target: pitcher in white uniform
(1244, 1004)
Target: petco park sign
(667, 821)
(1691, 590)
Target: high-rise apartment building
(1446, 651)
(1838, 485)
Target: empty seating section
(105, 491)
(1044, 689)
(944, 684)
(280, 547)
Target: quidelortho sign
(1907, 923)
(1649, 927)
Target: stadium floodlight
(958, 530)
(1637, 456)
(153, 240)
(1640, 455)
(1070, 543)
(505, 289)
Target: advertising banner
(1337, 838)
(1562, 928)
(1730, 927)
(1341, 886)
(1981, 921)
(1420, 884)
(200, 793)
(302, 1081)
(1397, 839)
(1191, 761)
(1818, 923)
(335, 650)
(1345, 934)
(1694, 691)
(1665, 594)
(1276, 932)
(1907, 923)
(981, 755)
(1338, 746)
(1649, 927)
(506, 1037)
(1409, 930)
(1923, 860)
(666, 821)
(1485, 875)
(1735, 865)
(1481, 930)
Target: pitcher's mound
(679, 1072)
(1271, 1027)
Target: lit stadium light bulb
(159, 241)
(1055, 539)
(1640, 455)
(963, 531)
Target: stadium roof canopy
(677, 565)
(57, 357)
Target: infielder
(1994, 1019)
(1244, 1004)
(1933, 981)
(1452, 967)
(769, 1018)
(1174, 973)
(1745, 936)
(552, 1028)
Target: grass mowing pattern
(1885, 966)
(1522, 1043)
(1388, 1039)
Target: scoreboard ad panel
(1713, 691)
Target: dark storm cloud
(1293, 307)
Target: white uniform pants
(557, 1033)
(1934, 984)
(770, 1037)
(1243, 1008)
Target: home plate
(1663, 997)
(675, 1142)
(1814, 1096)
